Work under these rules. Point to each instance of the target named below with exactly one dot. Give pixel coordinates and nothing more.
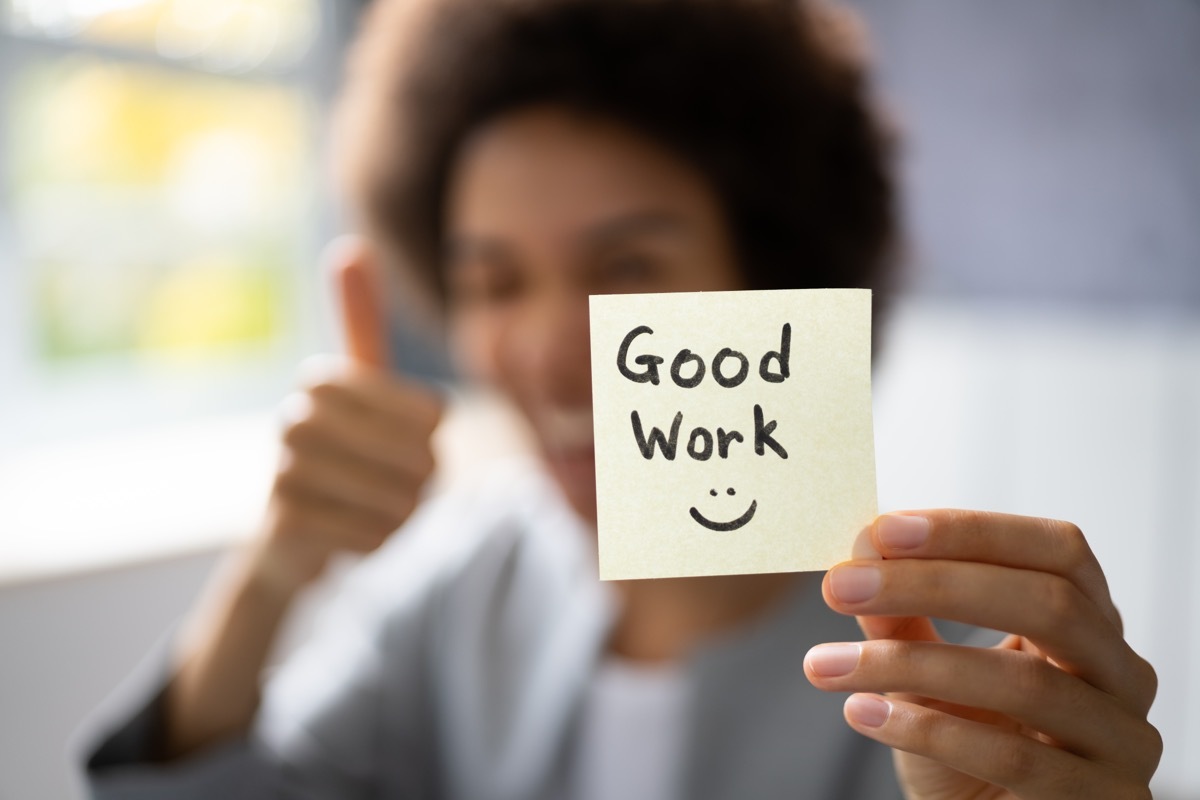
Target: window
(158, 216)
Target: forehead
(551, 169)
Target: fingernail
(868, 709)
(833, 660)
(902, 532)
(854, 584)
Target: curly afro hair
(754, 94)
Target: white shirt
(632, 733)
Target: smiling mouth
(732, 525)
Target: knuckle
(290, 481)
(1032, 679)
(363, 544)
(1036, 683)
(392, 505)
(888, 651)
(1149, 676)
(375, 530)
(299, 433)
(287, 486)
(385, 504)
(370, 541)
(900, 665)
(384, 532)
(325, 390)
(922, 731)
(1076, 551)
(403, 506)
(434, 411)
(426, 463)
(1059, 600)
(1016, 759)
(353, 525)
(291, 467)
(1153, 745)
(1072, 534)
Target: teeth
(567, 429)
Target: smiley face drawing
(733, 524)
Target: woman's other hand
(356, 452)
(1056, 710)
(356, 445)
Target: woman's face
(544, 209)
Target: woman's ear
(358, 287)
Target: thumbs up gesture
(356, 444)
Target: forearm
(214, 692)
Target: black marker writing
(651, 362)
(732, 525)
(681, 359)
(783, 356)
(724, 439)
(700, 440)
(742, 372)
(762, 434)
(646, 444)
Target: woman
(514, 157)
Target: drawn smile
(732, 525)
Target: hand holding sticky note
(733, 430)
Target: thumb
(360, 302)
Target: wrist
(275, 576)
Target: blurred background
(163, 204)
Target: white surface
(121, 499)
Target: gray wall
(1052, 146)
(64, 645)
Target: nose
(550, 349)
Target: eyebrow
(462, 248)
(634, 224)
(602, 234)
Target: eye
(637, 266)
(485, 283)
(627, 271)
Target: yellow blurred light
(207, 304)
(159, 208)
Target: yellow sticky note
(733, 430)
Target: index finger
(1007, 540)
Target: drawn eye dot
(729, 491)
(713, 492)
